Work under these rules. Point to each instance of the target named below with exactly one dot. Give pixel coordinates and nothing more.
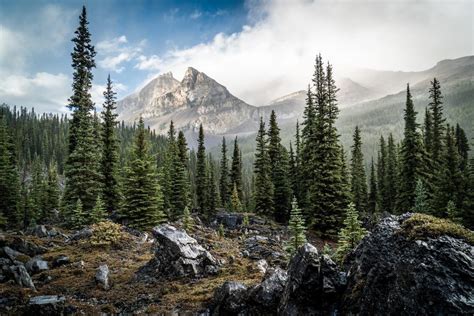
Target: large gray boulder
(231, 298)
(265, 297)
(178, 255)
(36, 265)
(102, 277)
(314, 284)
(390, 274)
(21, 276)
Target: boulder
(230, 299)
(391, 274)
(36, 265)
(265, 297)
(178, 255)
(12, 254)
(27, 247)
(38, 231)
(228, 220)
(261, 266)
(21, 276)
(84, 233)
(61, 260)
(314, 284)
(102, 277)
(46, 305)
(262, 247)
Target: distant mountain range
(372, 99)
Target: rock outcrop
(390, 274)
(178, 255)
(102, 277)
(46, 305)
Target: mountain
(196, 99)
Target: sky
(259, 49)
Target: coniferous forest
(102, 183)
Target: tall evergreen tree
(279, 175)
(201, 174)
(372, 201)
(236, 170)
(82, 174)
(421, 199)
(297, 229)
(263, 184)
(428, 131)
(391, 176)
(9, 181)
(224, 184)
(436, 109)
(212, 190)
(411, 159)
(109, 162)
(143, 200)
(382, 174)
(358, 178)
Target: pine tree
(99, 212)
(421, 199)
(212, 190)
(279, 171)
(82, 169)
(78, 217)
(449, 179)
(263, 183)
(236, 170)
(143, 199)
(436, 109)
(411, 160)
(372, 202)
(224, 179)
(350, 235)
(9, 181)
(382, 174)
(452, 212)
(390, 177)
(235, 201)
(297, 229)
(109, 162)
(428, 131)
(358, 178)
(188, 221)
(52, 192)
(201, 174)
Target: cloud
(196, 14)
(115, 52)
(44, 91)
(274, 55)
(149, 63)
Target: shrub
(106, 233)
(420, 226)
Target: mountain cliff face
(197, 99)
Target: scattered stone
(230, 299)
(228, 220)
(102, 277)
(38, 231)
(60, 261)
(12, 254)
(262, 266)
(178, 255)
(391, 274)
(22, 277)
(314, 284)
(46, 305)
(36, 264)
(84, 233)
(261, 247)
(27, 247)
(79, 264)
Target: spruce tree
(109, 162)
(78, 217)
(452, 212)
(279, 171)
(99, 212)
(201, 174)
(143, 199)
(436, 109)
(235, 201)
(428, 131)
(351, 234)
(263, 184)
(224, 178)
(9, 180)
(52, 192)
(411, 159)
(212, 190)
(236, 170)
(297, 229)
(372, 202)
(358, 178)
(187, 220)
(421, 199)
(82, 169)
(390, 177)
(382, 174)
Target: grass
(420, 226)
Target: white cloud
(149, 63)
(44, 91)
(196, 14)
(275, 55)
(116, 52)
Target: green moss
(421, 226)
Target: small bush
(105, 233)
(420, 226)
